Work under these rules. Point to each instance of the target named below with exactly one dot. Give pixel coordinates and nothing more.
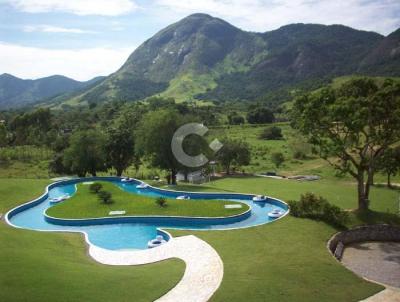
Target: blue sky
(86, 38)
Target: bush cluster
(104, 196)
(161, 201)
(271, 133)
(317, 207)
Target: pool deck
(204, 268)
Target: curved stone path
(203, 273)
(387, 295)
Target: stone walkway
(387, 295)
(203, 273)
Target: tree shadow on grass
(374, 217)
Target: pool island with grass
(85, 204)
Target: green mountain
(206, 58)
(16, 92)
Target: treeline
(97, 138)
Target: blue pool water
(135, 235)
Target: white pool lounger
(117, 213)
(233, 206)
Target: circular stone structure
(377, 261)
(370, 251)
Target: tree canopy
(351, 126)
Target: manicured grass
(45, 266)
(85, 204)
(282, 261)
(288, 260)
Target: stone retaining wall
(380, 232)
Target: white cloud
(80, 64)
(262, 15)
(78, 7)
(55, 29)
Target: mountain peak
(8, 76)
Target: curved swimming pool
(115, 233)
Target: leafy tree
(260, 115)
(355, 123)
(154, 137)
(235, 119)
(95, 187)
(272, 133)
(3, 135)
(120, 148)
(277, 158)
(161, 201)
(233, 152)
(389, 163)
(105, 197)
(86, 153)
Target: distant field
(261, 151)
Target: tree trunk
(370, 181)
(173, 177)
(362, 192)
(389, 183)
(119, 171)
(228, 169)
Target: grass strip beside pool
(85, 204)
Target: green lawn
(282, 261)
(288, 260)
(85, 204)
(44, 266)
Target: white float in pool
(142, 186)
(156, 242)
(183, 197)
(59, 199)
(126, 179)
(275, 213)
(260, 198)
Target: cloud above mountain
(81, 64)
(262, 15)
(78, 7)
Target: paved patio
(377, 261)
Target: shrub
(277, 158)
(314, 207)
(161, 201)
(235, 119)
(95, 187)
(260, 116)
(105, 197)
(271, 133)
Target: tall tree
(260, 115)
(120, 148)
(233, 152)
(153, 139)
(389, 163)
(351, 126)
(86, 153)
